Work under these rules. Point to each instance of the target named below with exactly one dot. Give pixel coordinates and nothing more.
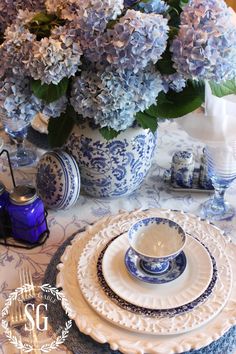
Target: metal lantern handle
(10, 166)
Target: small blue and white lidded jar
(182, 169)
(58, 180)
(4, 220)
(27, 214)
(204, 179)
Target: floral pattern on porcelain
(154, 267)
(115, 167)
(174, 269)
(182, 169)
(58, 180)
(156, 220)
(156, 264)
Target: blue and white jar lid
(58, 179)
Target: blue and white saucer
(175, 269)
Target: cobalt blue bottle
(27, 214)
(4, 220)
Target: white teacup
(156, 241)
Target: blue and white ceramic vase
(115, 167)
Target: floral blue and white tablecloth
(153, 192)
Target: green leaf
(183, 3)
(223, 89)
(174, 104)
(147, 121)
(173, 32)
(60, 128)
(108, 133)
(144, 1)
(111, 24)
(152, 111)
(173, 3)
(42, 17)
(49, 93)
(42, 24)
(165, 65)
(1, 37)
(198, 85)
(175, 9)
(148, 118)
(79, 119)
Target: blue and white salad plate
(121, 272)
(135, 268)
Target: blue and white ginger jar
(111, 168)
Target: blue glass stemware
(17, 130)
(221, 165)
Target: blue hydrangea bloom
(18, 45)
(135, 41)
(175, 82)
(9, 10)
(94, 12)
(56, 57)
(16, 99)
(55, 108)
(153, 6)
(112, 98)
(90, 18)
(205, 47)
(49, 59)
(93, 19)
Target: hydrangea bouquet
(115, 63)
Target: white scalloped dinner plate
(183, 290)
(89, 322)
(107, 308)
